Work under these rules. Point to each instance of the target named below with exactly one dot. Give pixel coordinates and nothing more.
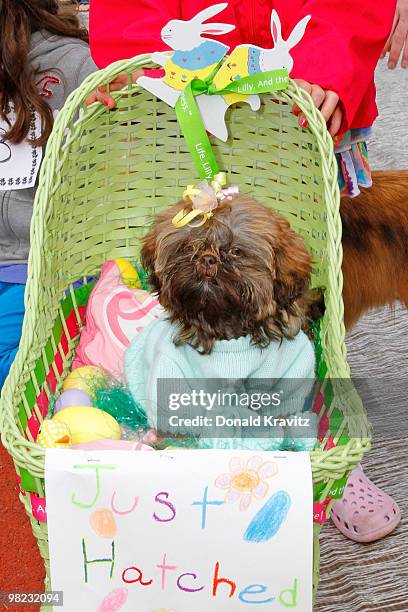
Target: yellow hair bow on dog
(204, 198)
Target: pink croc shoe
(365, 513)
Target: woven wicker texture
(104, 176)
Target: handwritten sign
(19, 163)
(180, 530)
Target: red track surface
(21, 566)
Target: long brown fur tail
(375, 245)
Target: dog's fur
(245, 272)
(375, 245)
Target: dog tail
(375, 245)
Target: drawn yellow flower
(246, 479)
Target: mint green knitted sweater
(153, 356)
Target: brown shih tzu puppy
(375, 264)
(244, 272)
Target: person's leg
(11, 321)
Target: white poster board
(180, 531)
(19, 163)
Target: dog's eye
(188, 249)
(235, 251)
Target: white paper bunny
(183, 35)
(247, 60)
(279, 56)
(5, 151)
(194, 56)
(19, 163)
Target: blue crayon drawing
(267, 522)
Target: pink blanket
(115, 314)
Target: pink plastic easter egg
(73, 397)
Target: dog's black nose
(208, 260)
(207, 266)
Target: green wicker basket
(105, 174)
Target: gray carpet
(374, 577)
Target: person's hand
(397, 43)
(326, 101)
(102, 95)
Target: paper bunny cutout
(196, 56)
(5, 151)
(19, 163)
(279, 56)
(246, 60)
(187, 35)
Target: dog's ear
(148, 257)
(293, 269)
(148, 251)
(314, 304)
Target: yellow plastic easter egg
(103, 523)
(54, 435)
(87, 423)
(84, 378)
(128, 273)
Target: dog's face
(244, 272)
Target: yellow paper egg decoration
(87, 423)
(84, 378)
(54, 435)
(103, 523)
